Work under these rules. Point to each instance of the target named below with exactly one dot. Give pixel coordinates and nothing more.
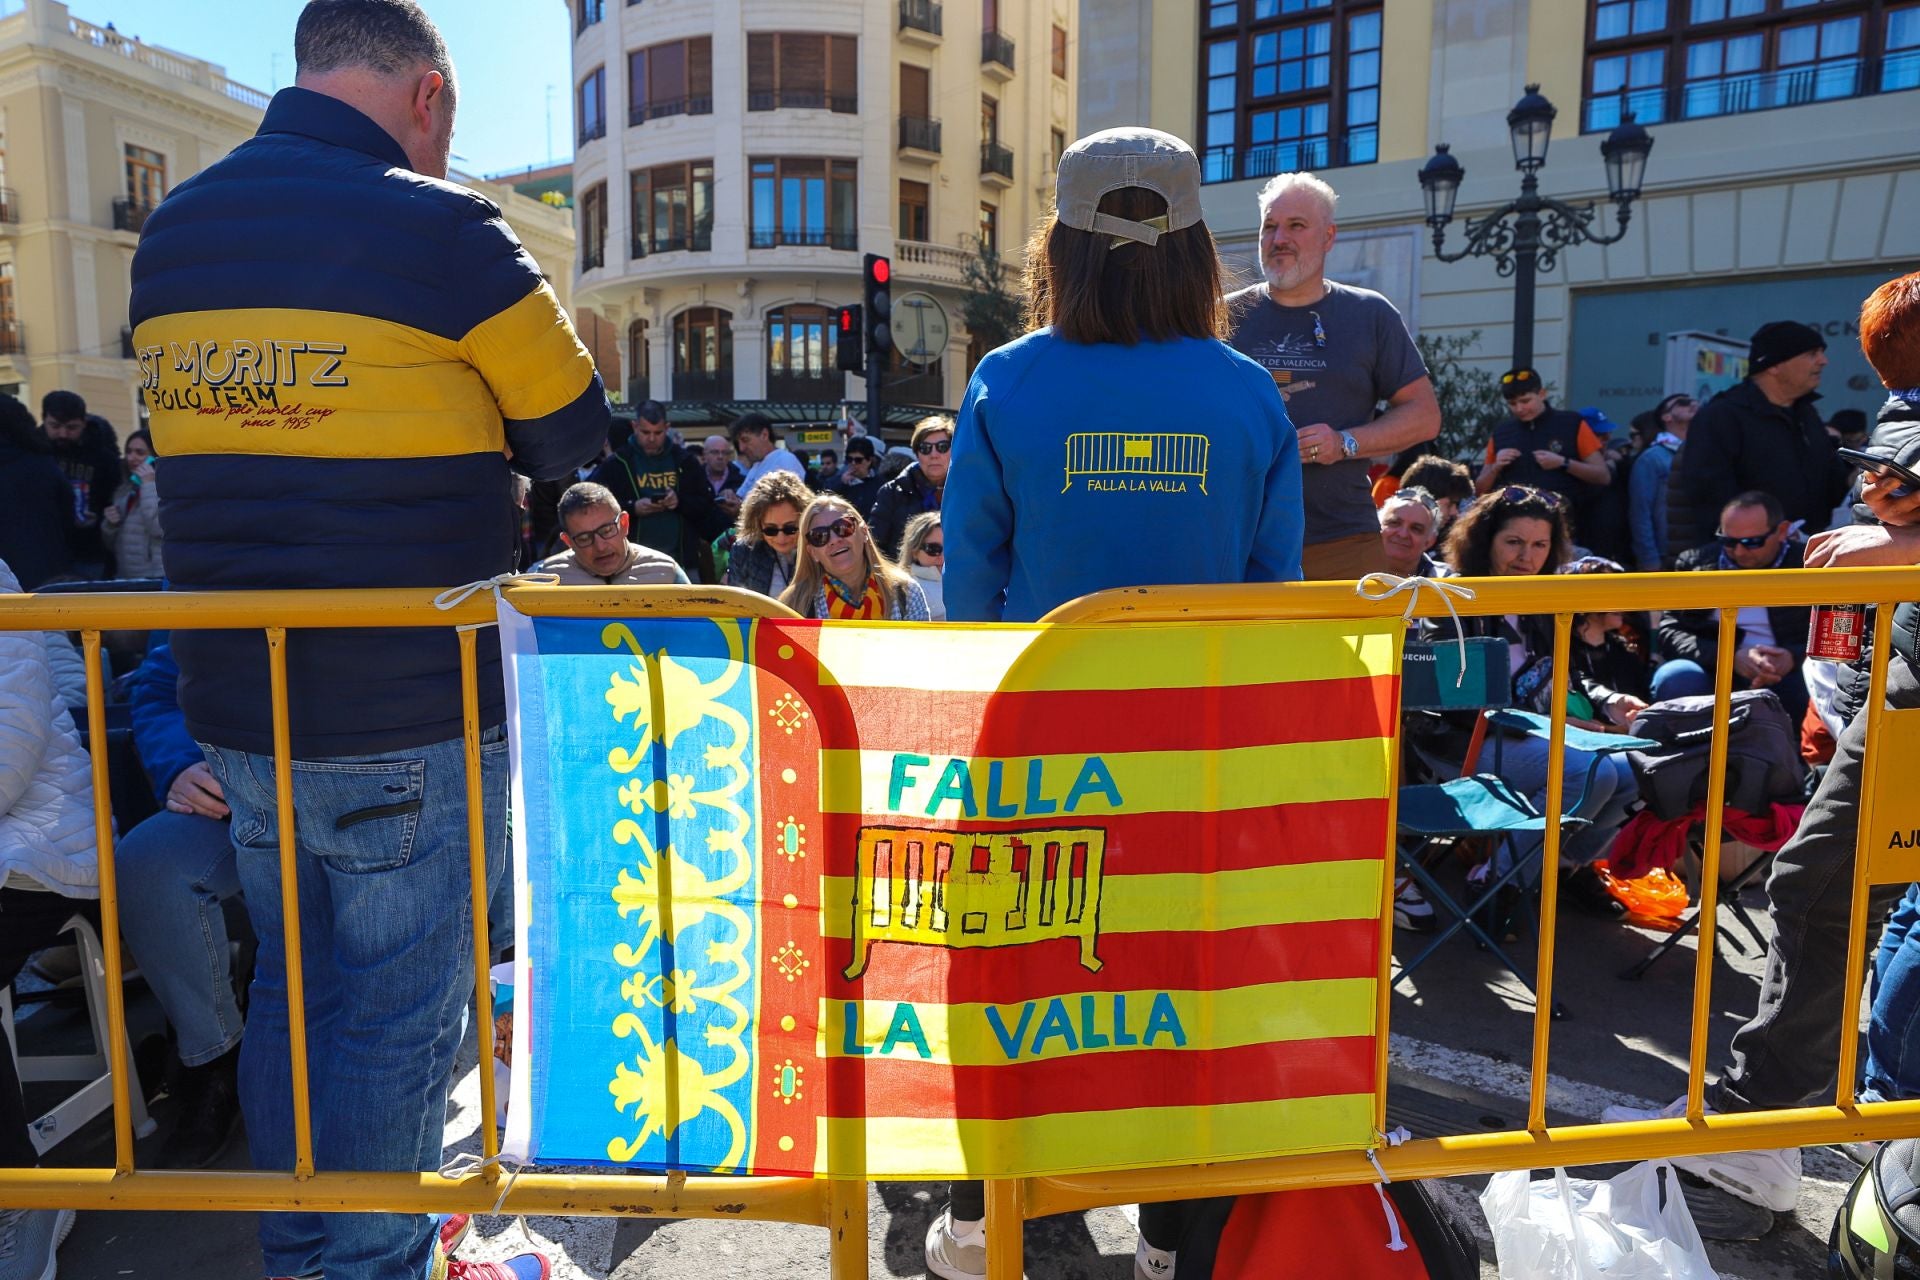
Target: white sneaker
(1150, 1263)
(29, 1239)
(957, 1250)
(1769, 1178)
(1411, 910)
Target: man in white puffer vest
(48, 870)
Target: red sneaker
(528, 1266)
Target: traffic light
(879, 307)
(847, 336)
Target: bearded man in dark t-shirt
(1336, 352)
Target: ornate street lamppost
(1527, 234)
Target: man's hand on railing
(1865, 546)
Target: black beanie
(1780, 340)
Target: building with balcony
(96, 127)
(1783, 182)
(736, 158)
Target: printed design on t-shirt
(1137, 461)
(1292, 355)
(1283, 379)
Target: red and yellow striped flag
(1095, 897)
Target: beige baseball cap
(1131, 156)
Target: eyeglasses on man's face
(606, 533)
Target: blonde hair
(915, 536)
(1281, 183)
(808, 577)
(770, 491)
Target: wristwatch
(1349, 447)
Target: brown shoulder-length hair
(1470, 541)
(1089, 290)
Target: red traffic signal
(847, 350)
(882, 269)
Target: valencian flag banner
(898, 901)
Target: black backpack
(1763, 754)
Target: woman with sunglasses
(767, 537)
(1524, 532)
(917, 489)
(923, 554)
(843, 575)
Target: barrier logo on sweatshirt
(1137, 461)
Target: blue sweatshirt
(1080, 467)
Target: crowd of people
(1294, 385)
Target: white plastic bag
(1633, 1227)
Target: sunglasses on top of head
(1521, 493)
(821, 534)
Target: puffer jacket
(135, 539)
(46, 781)
(342, 359)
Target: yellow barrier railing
(840, 1204)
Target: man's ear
(426, 99)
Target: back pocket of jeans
(359, 817)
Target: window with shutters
(639, 363)
(989, 227)
(591, 105)
(10, 343)
(703, 354)
(671, 79)
(915, 199)
(146, 177)
(802, 70)
(801, 201)
(592, 228)
(672, 208)
(1060, 52)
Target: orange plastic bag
(1657, 897)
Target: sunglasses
(821, 534)
(1750, 544)
(934, 548)
(1521, 493)
(926, 447)
(1414, 493)
(790, 529)
(1523, 375)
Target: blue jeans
(1893, 1031)
(176, 869)
(387, 954)
(1523, 765)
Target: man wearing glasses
(1754, 534)
(598, 553)
(1553, 450)
(1647, 482)
(916, 489)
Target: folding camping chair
(1477, 804)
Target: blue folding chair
(1447, 676)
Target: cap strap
(1125, 230)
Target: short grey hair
(1281, 183)
(585, 496)
(392, 37)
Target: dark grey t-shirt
(1333, 362)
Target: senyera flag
(898, 901)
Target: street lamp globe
(1625, 153)
(1531, 125)
(1440, 180)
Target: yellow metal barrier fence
(841, 1204)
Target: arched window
(800, 362)
(639, 363)
(703, 354)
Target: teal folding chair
(1450, 676)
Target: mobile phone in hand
(1876, 464)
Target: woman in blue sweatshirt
(1120, 444)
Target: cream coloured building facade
(95, 129)
(1784, 180)
(736, 158)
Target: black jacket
(1694, 634)
(1556, 431)
(620, 473)
(900, 500)
(863, 494)
(1740, 440)
(36, 531)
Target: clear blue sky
(506, 52)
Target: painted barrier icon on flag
(953, 889)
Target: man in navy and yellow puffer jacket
(345, 356)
